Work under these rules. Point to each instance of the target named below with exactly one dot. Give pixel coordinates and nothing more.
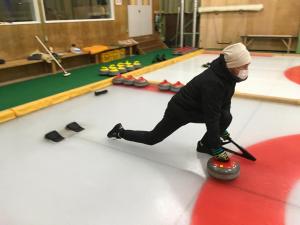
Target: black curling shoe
(115, 132)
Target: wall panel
(277, 17)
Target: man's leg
(162, 130)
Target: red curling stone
(223, 170)
(119, 79)
(164, 85)
(141, 82)
(129, 80)
(176, 87)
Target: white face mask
(243, 74)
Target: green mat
(23, 92)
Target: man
(205, 99)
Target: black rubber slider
(54, 136)
(100, 92)
(74, 127)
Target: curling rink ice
(89, 179)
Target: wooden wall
(17, 41)
(82, 34)
(277, 17)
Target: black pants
(162, 130)
(166, 127)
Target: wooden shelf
(70, 54)
(19, 62)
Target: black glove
(225, 136)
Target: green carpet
(27, 91)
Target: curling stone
(223, 170)
(104, 70)
(112, 66)
(137, 64)
(121, 65)
(164, 85)
(129, 67)
(113, 71)
(119, 79)
(176, 87)
(129, 80)
(141, 82)
(122, 69)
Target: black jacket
(205, 98)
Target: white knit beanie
(236, 55)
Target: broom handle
(44, 46)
